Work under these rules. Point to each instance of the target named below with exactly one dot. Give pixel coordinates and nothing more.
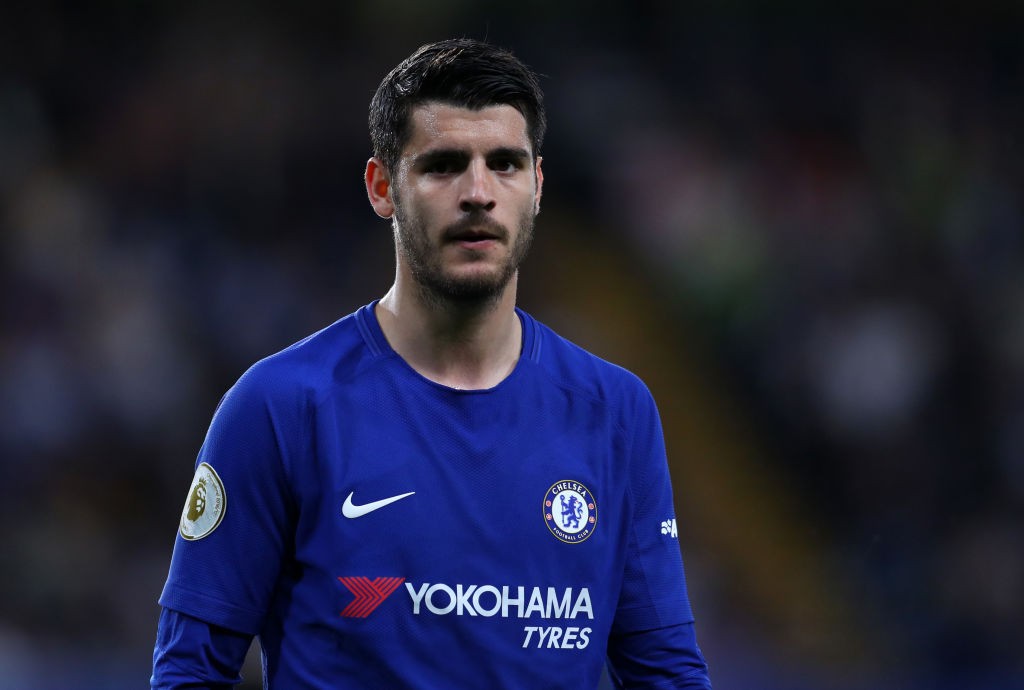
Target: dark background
(804, 230)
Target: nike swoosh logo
(351, 510)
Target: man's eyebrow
(463, 155)
(435, 155)
(509, 152)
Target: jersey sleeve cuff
(211, 609)
(650, 617)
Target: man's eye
(506, 165)
(444, 165)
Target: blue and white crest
(570, 511)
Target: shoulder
(573, 367)
(305, 369)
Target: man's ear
(539, 175)
(378, 188)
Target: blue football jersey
(378, 530)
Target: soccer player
(436, 491)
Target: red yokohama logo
(369, 594)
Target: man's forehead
(436, 122)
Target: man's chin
(479, 288)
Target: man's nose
(477, 190)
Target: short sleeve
(654, 585)
(237, 522)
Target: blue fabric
(666, 658)
(191, 653)
(527, 526)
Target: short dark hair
(462, 72)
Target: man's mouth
(474, 235)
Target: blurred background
(804, 230)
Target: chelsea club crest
(570, 511)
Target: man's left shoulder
(576, 367)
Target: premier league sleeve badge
(206, 504)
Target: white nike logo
(351, 510)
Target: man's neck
(463, 346)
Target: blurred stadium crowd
(828, 212)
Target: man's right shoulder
(331, 355)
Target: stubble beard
(442, 289)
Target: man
(436, 491)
